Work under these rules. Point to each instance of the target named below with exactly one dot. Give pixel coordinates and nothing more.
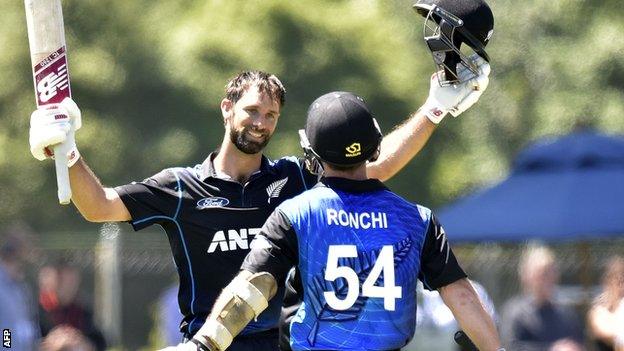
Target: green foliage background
(149, 76)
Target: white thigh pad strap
(247, 292)
(216, 332)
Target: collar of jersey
(208, 170)
(352, 186)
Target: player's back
(359, 258)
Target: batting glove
(187, 346)
(619, 333)
(52, 125)
(191, 345)
(459, 97)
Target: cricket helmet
(339, 130)
(448, 25)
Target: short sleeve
(274, 249)
(153, 197)
(438, 265)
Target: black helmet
(339, 130)
(451, 23)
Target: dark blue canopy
(571, 188)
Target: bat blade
(48, 53)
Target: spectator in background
(619, 338)
(534, 321)
(59, 305)
(435, 323)
(605, 318)
(17, 306)
(66, 338)
(169, 316)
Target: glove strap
(200, 346)
(214, 336)
(72, 157)
(433, 112)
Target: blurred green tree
(149, 76)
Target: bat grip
(62, 174)
(464, 341)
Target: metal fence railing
(124, 272)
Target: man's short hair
(536, 256)
(267, 84)
(614, 269)
(344, 168)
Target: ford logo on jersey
(211, 202)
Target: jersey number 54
(384, 264)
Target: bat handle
(464, 341)
(62, 174)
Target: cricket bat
(46, 35)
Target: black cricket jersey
(210, 221)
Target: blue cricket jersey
(359, 249)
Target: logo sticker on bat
(52, 80)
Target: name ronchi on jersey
(357, 220)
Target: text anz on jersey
(364, 220)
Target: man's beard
(240, 138)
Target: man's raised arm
(95, 203)
(400, 146)
(406, 140)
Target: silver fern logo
(274, 189)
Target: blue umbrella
(565, 189)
